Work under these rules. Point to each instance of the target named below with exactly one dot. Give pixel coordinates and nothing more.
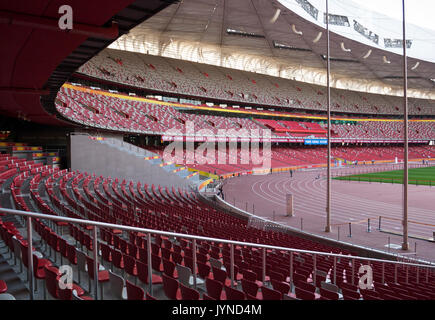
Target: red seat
(214, 289)
(130, 265)
(134, 292)
(281, 286)
(303, 294)
(3, 286)
(328, 294)
(270, 294)
(234, 294)
(188, 293)
(171, 288)
(251, 288)
(142, 274)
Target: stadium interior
(186, 150)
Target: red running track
(351, 202)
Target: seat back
(303, 294)
(168, 267)
(249, 287)
(134, 292)
(270, 294)
(170, 287)
(17, 248)
(328, 294)
(219, 275)
(142, 271)
(116, 285)
(184, 274)
(129, 264)
(214, 288)
(234, 294)
(71, 254)
(81, 260)
(51, 282)
(188, 293)
(203, 270)
(282, 287)
(329, 286)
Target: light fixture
(275, 16)
(367, 54)
(416, 65)
(317, 38)
(296, 31)
(344, 49)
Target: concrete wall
(118, 159)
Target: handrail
(195, 237)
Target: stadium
(216, 150)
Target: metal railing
(194, 238)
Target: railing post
(427, 275)
(30, 256)
(418, 274)
(291, 267)
(194, 263)
(379, 228)
(353, 271)
(264, 266)
(350, 229)
(96, 267)
(335, 270)
(315, 269)
(150, 268)
(368, 225)
(232, 264)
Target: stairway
(14, 282)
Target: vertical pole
(353, 270)
(405, 244)
(427, 275)
(383, 272)
(418, 274)
(30, 256)
(232, 264)
(96, 268)
(328, 98)
(315, 269)
(194, 263)
(264, 266)
(335, 270)
(291, 267)
(150, 268)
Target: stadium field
(417, 176)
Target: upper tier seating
(201, 80)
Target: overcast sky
(419, 12)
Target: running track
(351, 202)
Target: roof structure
(37, 57)
(283, 38)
